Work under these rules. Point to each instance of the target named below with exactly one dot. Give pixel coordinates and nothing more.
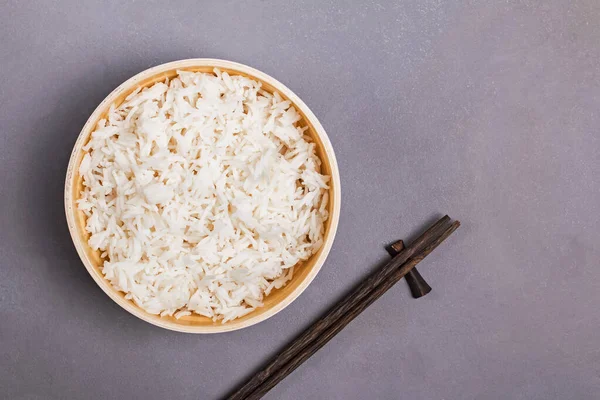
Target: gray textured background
(487, 111)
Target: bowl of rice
(202, 196)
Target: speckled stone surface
(485, 110)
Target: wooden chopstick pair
(356, 301)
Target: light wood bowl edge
(278, 299)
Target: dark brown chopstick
(345, 306)
(326, 336)
(417, 284)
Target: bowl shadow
(48, 230)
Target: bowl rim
(130, 85)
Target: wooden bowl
(278, 299)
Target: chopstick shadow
(412, 235)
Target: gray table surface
(485, 110)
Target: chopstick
(344, 311)
(326, 336)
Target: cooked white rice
(202, 193)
